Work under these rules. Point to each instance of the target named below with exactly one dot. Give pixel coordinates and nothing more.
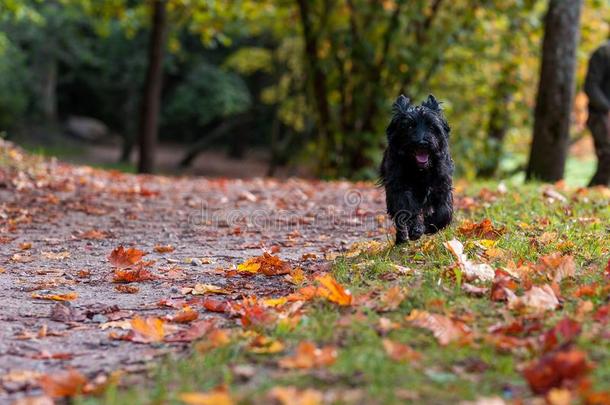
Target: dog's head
(418, 134)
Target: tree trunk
(151, 98)
(319, 87)
(555, 92)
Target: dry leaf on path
(62, 383)
(121, 257)
(56, 297)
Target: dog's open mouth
(422, 157)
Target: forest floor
(151, 289)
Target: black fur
(417, 169)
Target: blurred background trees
(306, 84)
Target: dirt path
(59, 223)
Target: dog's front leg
(405, 211)
(441, 213)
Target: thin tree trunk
(319, 86)
(555, 92)
(151, 99)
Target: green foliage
(14, 95)
(207, 93)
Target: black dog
(417, 168)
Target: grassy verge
(364, 372)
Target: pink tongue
(421, 157)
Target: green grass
(445, 373)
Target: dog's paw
(416, 232)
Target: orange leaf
(307, 355)
(56, 297)
(185, 315)
(267, 264)
(399, 351)
(444, 329)
(132, 274)
(127, 289)
(482, 230)
(65, 383)
(333, 291)
(121, 257)
(293, 396)
(146, 330)
(392, 298)
(557, 266)
(164, 249)
(217, 397)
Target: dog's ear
(401, 104)
(432, 104)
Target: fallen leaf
(133, 274)
(537, 299)
(483, 229)
(470, 270)
(267, 264)
(293, 396)
(121, 257)
(201, 289)
(265, 345)
(56, 256)
(62, 383)
(56, 297)
(555, 368)
(556, 266)
(217, 397)
(400, 352)
(392, 298)
(146, 330)
(127, 289)
(197, 330)
(565, 331)
(164, 248)
(307, 355)
(444, 329)
(185, 315)
(333, 291)
(215, 338)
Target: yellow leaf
(206, 398)
(56, 297)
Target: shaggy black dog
(417, 168)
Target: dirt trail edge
(59, 223)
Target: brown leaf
(133, 274)
(307, 355)
(164, 248)
(392, 298)
(400, 352)
(127, 289)
(185, 315)
(565, 331)
(293, 396)
(556, 266)
(444, 329)
(537, 299)
(63, 312)
(121, 257)
(62, 383)
(267, 264)
(482, 230)
(197, 330)
(556, 368)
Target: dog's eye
(410, 125)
